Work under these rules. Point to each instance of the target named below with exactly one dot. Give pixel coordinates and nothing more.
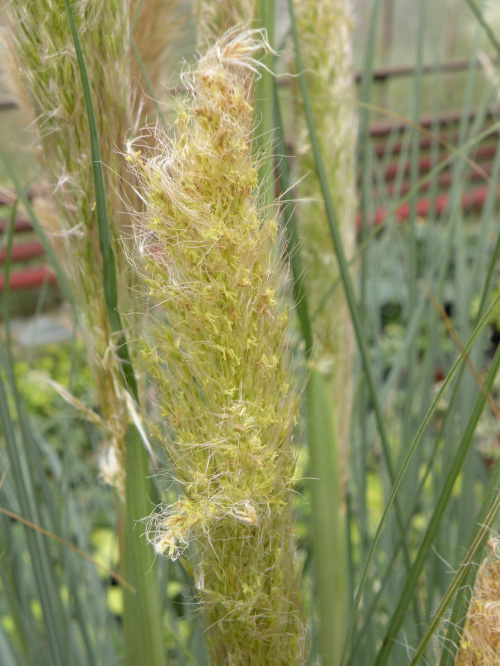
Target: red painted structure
(388, 147)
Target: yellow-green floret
(215, 344)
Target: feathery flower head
(216, 349)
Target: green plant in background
(370, 429)
(216, 349)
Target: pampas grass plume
(215, 345)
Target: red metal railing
(445, 125)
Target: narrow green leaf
(328, 523)
(8, 656)
(135, 18)
(143, 634)
(290, 225)
(6, 294)
(148, 82)
(105, 243)
(479, 15)
(140, 63)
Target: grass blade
(106, 247)
(290, 225)
(144, 73)
(479, 15)
(144, 646)
(328, 522)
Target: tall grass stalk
(264, 116)
(216, 349)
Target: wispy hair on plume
(215, 345)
